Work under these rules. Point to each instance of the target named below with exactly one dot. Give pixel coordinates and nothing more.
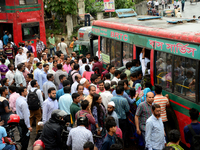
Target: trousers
(24, 138)
(35, 114)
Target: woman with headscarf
(145, 91)
(138, 89)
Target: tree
(63, 8)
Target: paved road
(190, 9)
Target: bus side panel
(183, 120)
(181, 108)
(152, 66)
(134, 51)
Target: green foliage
(62, 7)
(120, 4)
(92, 7)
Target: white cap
(83, 80)
(111, 103)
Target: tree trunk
(69, 26)
(64, 24)
(75, 22)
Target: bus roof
(187, 32)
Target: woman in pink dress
(87, 74)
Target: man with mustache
(155, 134)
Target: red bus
(174, 51)
(23, 19)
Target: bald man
(143, 112)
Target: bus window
(105, 50)
(164, 70)
(2, 5)
(116, 53)
(30, 31)
(127, 53)
(184, 76)
(27, 2)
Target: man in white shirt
(80, 135)
(117, 76)
(63, 47)
(25, 50)
(75, 84)
(85, 83)
(10, 74)
(1, 43)
(82, 68)
(19, 57)
(156, 3)
(106, 96)
(179, 15)
(24, 114)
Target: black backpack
(70, 77)
(33, 100)
(195, 145)
(119, 141)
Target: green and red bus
(24, 19)
(174, 53)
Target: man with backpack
(192, 131)
(86, 112)
(35, 101)
(80, 135)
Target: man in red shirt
(97, 64)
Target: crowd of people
(117, 105)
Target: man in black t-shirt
(5, 110)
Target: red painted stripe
(99, 42)
(145, 30)
(152, 67)
(134, 51)
(181, 105)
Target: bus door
(6, 27)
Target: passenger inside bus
(184, 74)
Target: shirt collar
(50, 99)
(109, 136)
(155, 117)
(22, 97)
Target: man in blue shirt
(136, 66)
(8, 145)
(121, 108)
(37, 71)
(195, 125)
(155, 134)
(43, 76)
(110, 138)
(28, 46)
(65, 101)
(61, 92)
(134, 78)
(5, 38)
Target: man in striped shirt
(163, 101)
